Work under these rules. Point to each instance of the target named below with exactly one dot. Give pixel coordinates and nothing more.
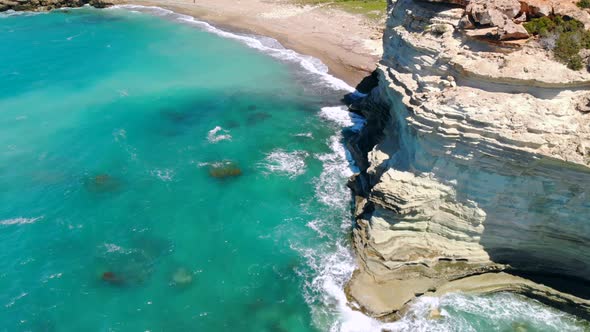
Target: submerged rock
(112, 278)
(435, 313)
(102, 183)
(182, 276)
(520, 327)
(133, 265)
(176, 116)
(224, 170)
(258, 117)
(232, 124)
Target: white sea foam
(19, 221)
(264, 44)
(505, 309)
(14, 299)
(338, 166)
(11, 12)
(119, 134)
(113, 248)
(317, 226)
(291, 164)
(341, 116)
(165, 175)
(308, 135)
(331, 264)
(215, 164)
(334, 271)
(218, 134)
(72, 37)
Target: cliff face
(482, 161)
(43, 5)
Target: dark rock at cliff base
(362, 89)
(224, 170)
(368, 83)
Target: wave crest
(291, 164)
(19, 221)
(218, 134)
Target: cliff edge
(475, 160)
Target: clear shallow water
(112, 125)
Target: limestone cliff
(475, 159)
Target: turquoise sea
(159, 174)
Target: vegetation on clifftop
(566, 37)
(584, 3)
(373, 9)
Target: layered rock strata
(475, 160)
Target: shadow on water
(257, 117)
(562, 283)
(102, 183)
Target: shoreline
(348, 44)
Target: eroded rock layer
(481, 163)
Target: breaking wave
(19, 221)
(218, 134)
(291, 164)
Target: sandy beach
(348, 44)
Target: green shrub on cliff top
(540, 26)
(584, 3)
(585, 41)
(569, 35)
(575, 62)
(567, 48)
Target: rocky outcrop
(476, 162)
(511, 30)
(502, 19)
(43, 5)
(493, 13)
(504, 16)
